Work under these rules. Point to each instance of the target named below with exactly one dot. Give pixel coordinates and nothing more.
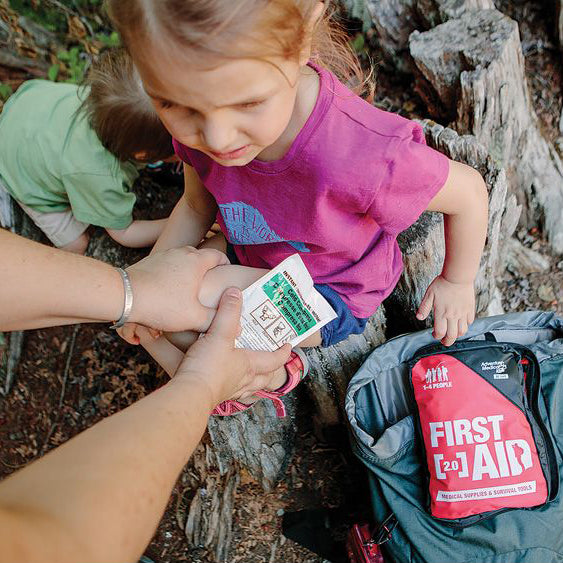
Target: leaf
(111, 40)
(63, 56)
(76, 29)
(358, 43)
(73, 56)
(53, 72)
(114, 39)
(5, 91)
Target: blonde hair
(120, 111)
(267, 28)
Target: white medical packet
(282, 306)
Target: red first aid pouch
(486, 447)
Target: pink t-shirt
(353, 179)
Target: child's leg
(61, 228)
(182, 340)
(161, 350)
(214, 283)
(79, 245)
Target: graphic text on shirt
(246, 225)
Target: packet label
(282, 306)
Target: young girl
(290, 160)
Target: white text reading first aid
(502, 459)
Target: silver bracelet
(128, 301)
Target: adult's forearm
(42, 286)
(110, 482)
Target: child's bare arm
(138, 234)
(191, 218)
(464, 202)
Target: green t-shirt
(51, 159)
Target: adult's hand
(166, 286)
(226, 371)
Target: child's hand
(131, 332)
(454, 308)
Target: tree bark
(394, 20)
(471, 71)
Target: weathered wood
(471, 70)
(10, 354)
(210, 518)
(6, 214)
(435, 12)
(33, 66)
(332, 368)
(257, 440)
(523, 261)
(394, 20)
(44, 40)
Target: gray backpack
(381, 414)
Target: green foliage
(109, 39)
(5, 91)
(359, 43)
(51, 19)
(54, 18)
(53, 72)
(75, 62)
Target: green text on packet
(285, 298)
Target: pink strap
(294, 370)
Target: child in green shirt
(66, 154)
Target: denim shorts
(336, 330)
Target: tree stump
(471, 71)
(394, 20)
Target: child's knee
(182, 340)
(312, 341)
(216, 242)
(79, 245)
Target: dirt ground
(69, 378)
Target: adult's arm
(99, 497)
(42, 286)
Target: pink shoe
(296, 368)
